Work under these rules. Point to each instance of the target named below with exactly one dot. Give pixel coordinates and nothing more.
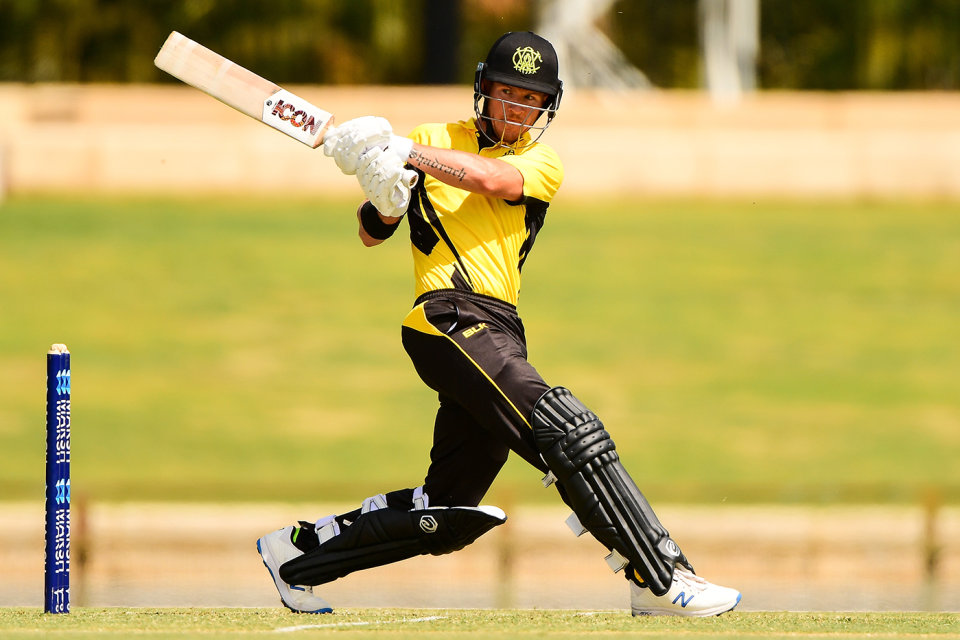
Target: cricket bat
(254, 96)
(243, 90)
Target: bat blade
(243, 90)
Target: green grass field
(249, 349)
(434, 623)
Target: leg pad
(607, 502)
(388, 535)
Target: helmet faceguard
(526, 61)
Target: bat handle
(331, 126)
(411, 178)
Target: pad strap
(327, 528)
(374, 503)
(421, 500)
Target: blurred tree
(805, 44)
(660, 38)
(288, 41)
(484, 21)
(441, 39)
(875, 44)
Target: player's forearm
(367, 239)
(470, 172)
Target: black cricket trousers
(471, 349)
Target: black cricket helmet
(525, 60)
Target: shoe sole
(322, 610)
(716, 611)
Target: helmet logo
(525, 60)
(428, 524)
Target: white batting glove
(385, 182)
(353, 138)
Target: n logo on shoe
(428, 524)
(684, 601)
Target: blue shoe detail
(739, 595)
(684, 600)
(323, 610)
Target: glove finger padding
(384, 181)
(370, 174)
(356, 137)
(348, 153)
(365, 127)
(392, 190)
(330, 140)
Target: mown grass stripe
(303, 627)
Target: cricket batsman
(484, 188)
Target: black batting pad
(583, 457)
(380, 537)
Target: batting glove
(353, 138)
(385, 182)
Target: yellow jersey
(463, 240)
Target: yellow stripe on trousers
(417, 320)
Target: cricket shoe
(275, 549)
(689, 595)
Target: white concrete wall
(175, 139)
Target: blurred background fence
(865, 558)
(121, 139)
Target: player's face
(513, 110)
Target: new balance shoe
(275, 549)
(689, 595)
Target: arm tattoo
(436, 164)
